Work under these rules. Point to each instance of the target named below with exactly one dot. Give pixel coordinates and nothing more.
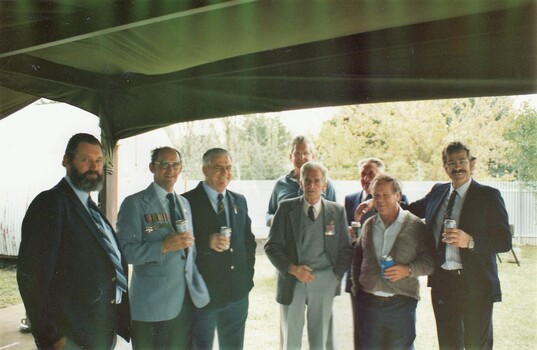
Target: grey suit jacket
(158, 280)
(285, 237)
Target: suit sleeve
(130, 228)
(275, 247)
(249, 241)
(36, 267)
(496, 235)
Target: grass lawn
(514, 318)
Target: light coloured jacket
(158, 281)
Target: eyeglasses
(462, 163)
(166, 165)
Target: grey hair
(212, 153)
(314, 165)
(397, 186)
(371, 160)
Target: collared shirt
(213, 198)
(384, 238)
(317, 207)
(288, 187)
(84, 196)
(161, 195)
(453, 256)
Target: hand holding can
(226, 232)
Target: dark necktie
(448, 215)
(174, 214)
(116, 259)
(311, 213)
(221, 210)
(451, 202)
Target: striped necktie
(221, 210)
(448, 215)
(110, 249)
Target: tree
(409, 136)
(258, 144)
(523, 136)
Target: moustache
(458, 171)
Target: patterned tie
(221, 210)
(174, 214)
(311, 213)
(448, 215)
(451, 202)
(112, 252)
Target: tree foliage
(410, 136)
(258, 144)
(523, 136)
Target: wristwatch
(471, 244)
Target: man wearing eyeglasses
(465, 283)
(226, 256)
(166, 286)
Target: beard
(84, 183)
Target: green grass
(9, 292)
(514, 318)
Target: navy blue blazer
(484, 217)
(229, 275)
(66, 278)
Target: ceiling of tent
(141, 65)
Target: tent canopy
(142, 65)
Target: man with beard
(465, 284)
(71, 273)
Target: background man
(465, 284)
(368, 169)
(226, 263)
(166, 285)
(386, 302)
(71, 274)
(288, 186)
(310, 247)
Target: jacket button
(113, 301)
(113, 279)
(231, 250)
(232, 267)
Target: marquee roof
(142, 65)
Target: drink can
(386, 262)
(449, 223)
(182, 225)
(226, 231)
(357, 228)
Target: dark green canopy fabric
(142, 65)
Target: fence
(520, 202)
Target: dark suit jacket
(66, 278)
(282, 247)
(229, 275)
(483, 216)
